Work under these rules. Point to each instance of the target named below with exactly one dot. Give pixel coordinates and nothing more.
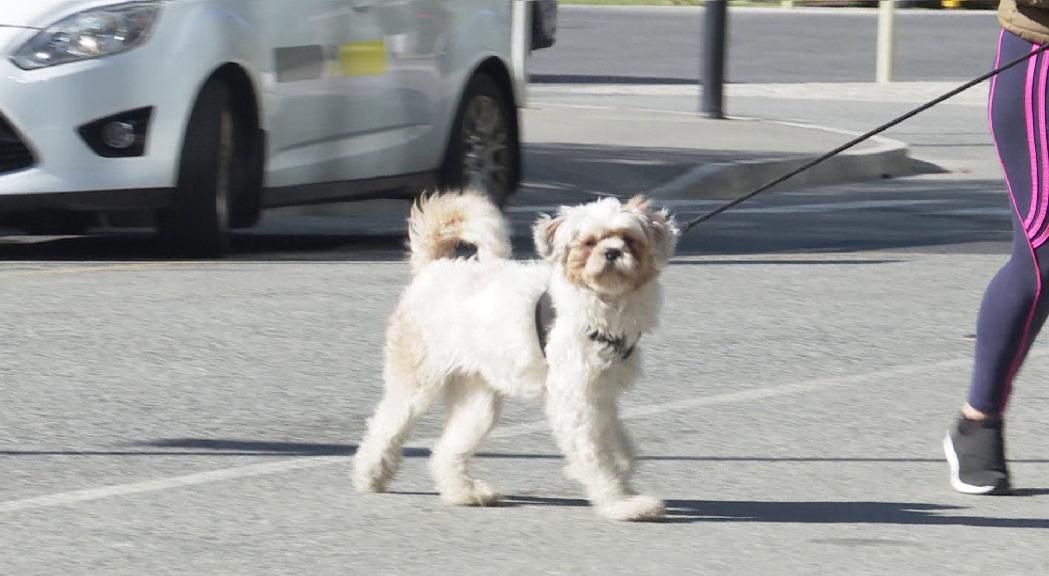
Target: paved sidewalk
(593, 150)
(573, 153)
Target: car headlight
(90, 34)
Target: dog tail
(441, 223)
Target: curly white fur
(465, 328)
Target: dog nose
(613, 254)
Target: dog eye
(590, 242)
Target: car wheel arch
(246, 106)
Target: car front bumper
(45, 109)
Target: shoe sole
(956, 481)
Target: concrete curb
(887, 158)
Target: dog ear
(640, 204)
(660, 226)
(543, 233)
(665, 233)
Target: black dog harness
(544, 321)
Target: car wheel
(197, 223)
(247, 206)
(483, 153)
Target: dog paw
(633, 508)
(364, 482)
(624, 465)
(472, 493)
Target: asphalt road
(200, 417)
(164, 417)
(646, 45)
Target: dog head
(606, 246)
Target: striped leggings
(1017, 300)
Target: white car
(205, 111)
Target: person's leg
(1016, 302)
(1013, 311)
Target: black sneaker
(975, 452)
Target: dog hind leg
(473, 408)
(379, 454)
(409, 390)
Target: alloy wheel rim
(225, 169)
(486, 150)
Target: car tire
(483, 152)
(211, 173)
(247, 206)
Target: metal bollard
(886, 41)
(713, 73)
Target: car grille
(14, 154)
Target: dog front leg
(621, 444)
(593, 450)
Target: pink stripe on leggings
(1029, 115)
(1042, 193)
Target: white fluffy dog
(474, 330)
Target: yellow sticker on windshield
(367, 58)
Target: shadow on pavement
(141, 247)
(907, 513)
(903, 513)
(609, 79)
(785, 262)
(678, 510)
(718, 511)
(907, 214)
(229, 447)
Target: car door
(345, 103)
(415, 93)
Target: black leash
(699, 220)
